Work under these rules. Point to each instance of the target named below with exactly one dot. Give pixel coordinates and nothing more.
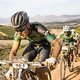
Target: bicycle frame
(64, 52)
(65, 58)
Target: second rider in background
(69, 35)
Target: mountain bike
(20, 70)
(66, 59)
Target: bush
(77, 29)
(6, 38)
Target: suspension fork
(19, 74)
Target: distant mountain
(53, 18)
(47, 18)
(4, 20)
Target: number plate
(20, 65)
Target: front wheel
(71, 61)
(28, 75)
(62, 67)
(3, 70)
(2, 77)
(42, 73)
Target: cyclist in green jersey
(37, 34)
(69, 35)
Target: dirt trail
(75, 75)
(56, 31)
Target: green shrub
(7, 30)
(77, 29)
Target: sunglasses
(20, 29)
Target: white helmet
(66, 28)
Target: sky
(39, 7)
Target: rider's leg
(76, 53)
(44, 52)
(77, 46)
(29, 53)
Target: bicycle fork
(19, 74)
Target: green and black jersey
(72, 37)
(38, 34)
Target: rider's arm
(54, 42)
(51, 38)
(15, 46)
(75, 36)
(57, 48)
(78, 40)
(60, 37)
(14, 50)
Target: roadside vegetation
(77, 29)
(6, 32)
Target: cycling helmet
(19, 19)
(66, 28)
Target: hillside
(54, 18)
(4, 30)
(47, 18)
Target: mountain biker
(37, 34)
(69, 35)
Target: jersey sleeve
(41, 29)
(49, 37)
(60, 35)
(17, 37)
(75, 35)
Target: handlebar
(17, 67)
(21, 64)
